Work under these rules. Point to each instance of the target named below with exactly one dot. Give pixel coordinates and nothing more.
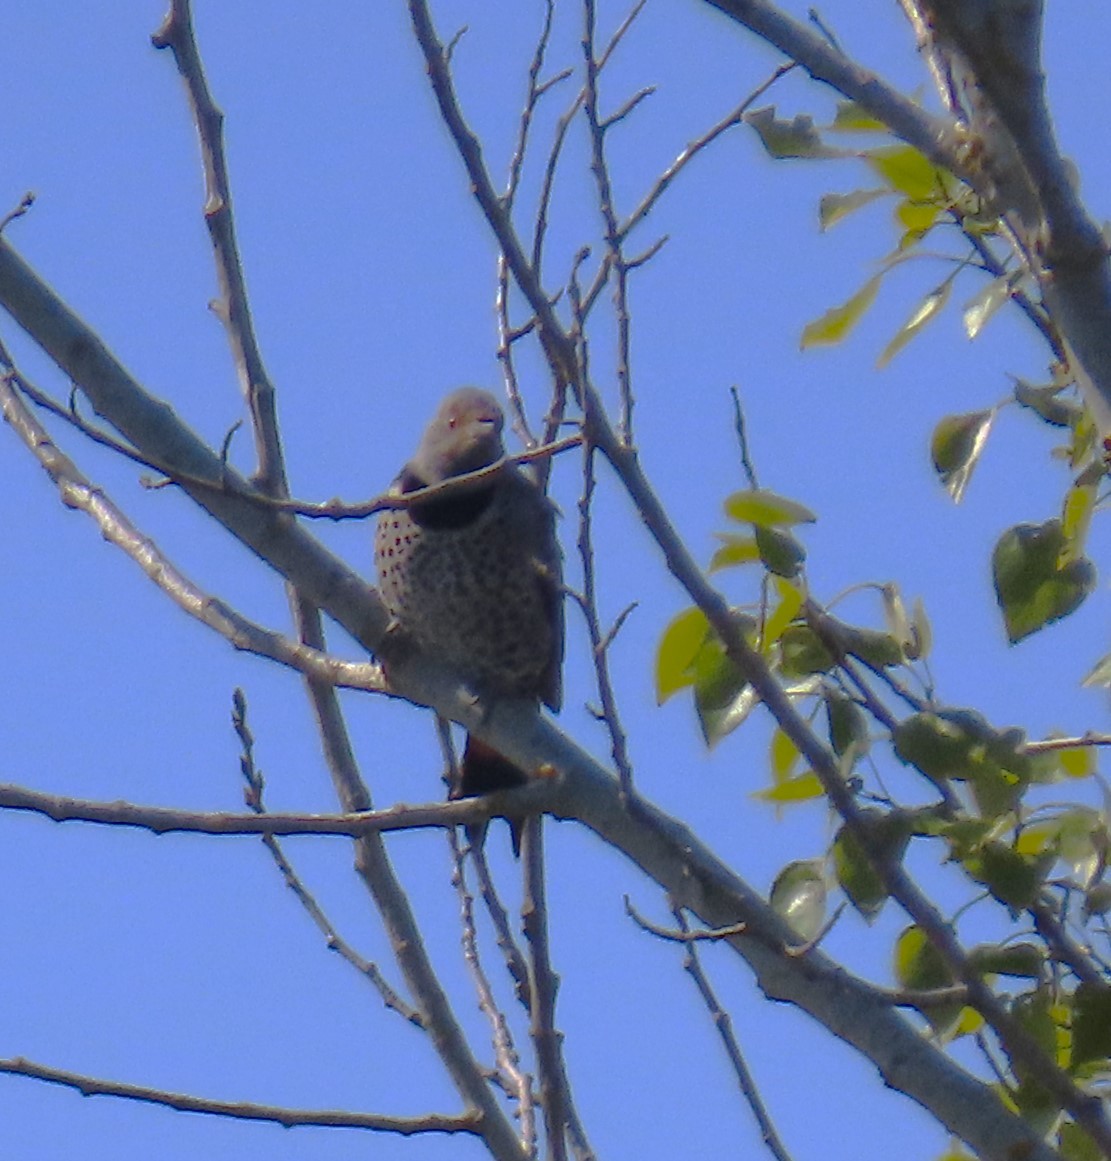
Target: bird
(474, 578)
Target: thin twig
(560, 1117)
(242, 1110)
(684, 934)
(692, 964)
(24, 204)
(76, 491)
(515, 963)
(254, 797)
(512, 1077)
(694, 148)
(600, 643)
(747, 466)
(613, 240)
(233, 308)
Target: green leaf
(918, 965)
(1034, 1012)
(797, 138)
(854, 872)
(722, 697)
(1075, 1144)
(1032, 585)
(801, 788)
(735, 550)
(837, 322)
(853, 118)
(1012, 878)
(832, 207)
(801, 652)
(1097, 900)
(1091, 1023)
(980, 309)
(956, 446)
(928, 309)
(871, 646)
(799, 896)
(679, 646)
(764, 509)
(780, 553)
(908, 171)
(848, 727)
(1024, 960)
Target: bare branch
(355, 823)
(233, 308)
(615, 257)
(254, 796)
(692, 964)
(599, 643)
(512, 1077)
(560, 1117)
(694, 149)
(243, 1110)
(77, 492)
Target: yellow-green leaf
(916, 217)
(956, 446)
(765, 509)
(783, 754)
(1078, 761)
(735, 550)
(833, 207)
(836, 323)
(795, 138)
(908, 171)
(928, 309)
(800, 788)
(790, 602)
(679, 647)
(918, 964)
(1080, 503)
(853, 118)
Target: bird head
(464, 435)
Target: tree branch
(243, 1110)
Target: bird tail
(482, 771)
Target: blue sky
(183, 962)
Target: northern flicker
(475, 578)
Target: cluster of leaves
(977, 791)
(1041, 573)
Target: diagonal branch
(233, 308)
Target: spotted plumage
(474, 578)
